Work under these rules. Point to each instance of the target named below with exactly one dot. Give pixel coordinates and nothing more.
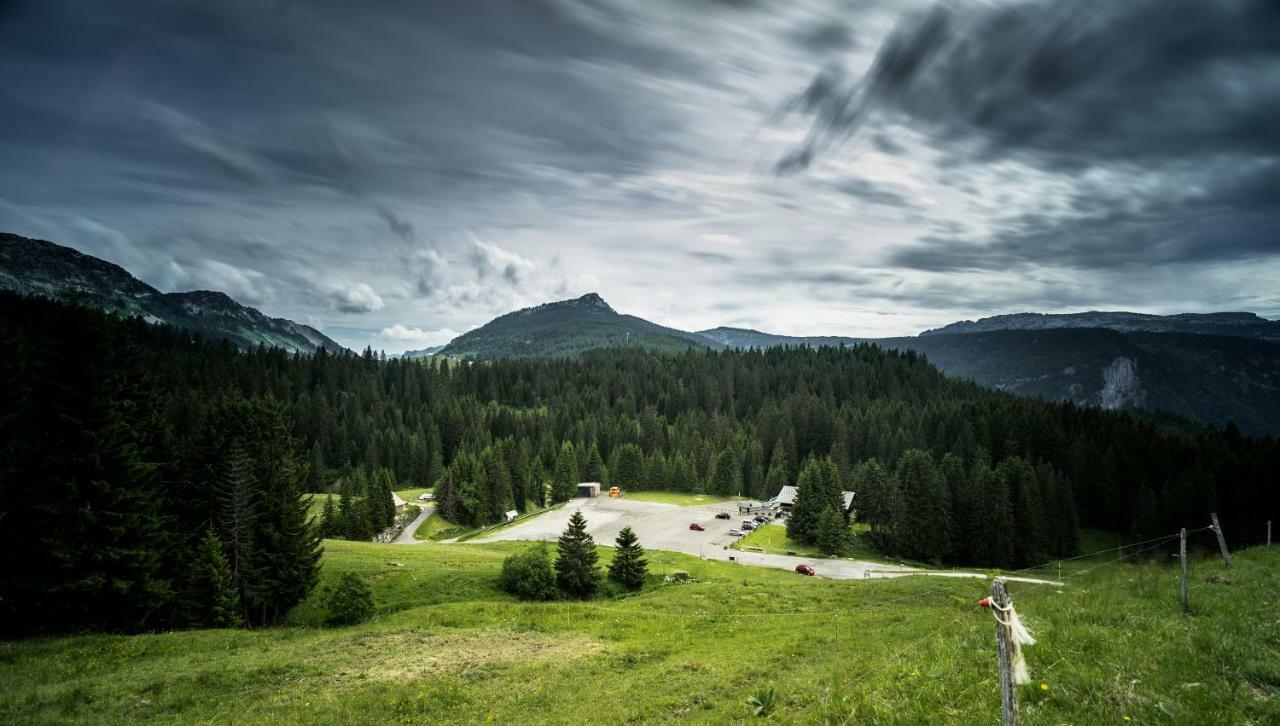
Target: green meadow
(448, 647)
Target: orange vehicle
(615, 492)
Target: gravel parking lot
(666, 527)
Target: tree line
(134, 439)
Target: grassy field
(411, 495)
(437, 528)
(315, 506)
(681, 498)
(448, 647)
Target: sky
(397, 172)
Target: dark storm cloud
(825, 37)
(1073, 83)
(1180, 94)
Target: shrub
(762, 702)
(529, 575)
(350, 602)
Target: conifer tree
(726, 476)
(329, 526)
(212, 600)
(627, 470)
(924, 525)
(818, 490)
(564, 480)
(629, 567)
(576, 572)
(832, 532)
(593, 468)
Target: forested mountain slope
(1207, 378)
(37, 267)
(122, 442)
(567, 328)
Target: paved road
(666, 527)
(406, 536)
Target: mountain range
(36, 267)
(1211, 368)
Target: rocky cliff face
(1120, 385)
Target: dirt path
(406, 536)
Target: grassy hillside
(448, 647)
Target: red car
(696, 527)
(805, 569)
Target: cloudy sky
(397, 172)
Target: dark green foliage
(819, 491)
(627, 469)
(832, 533)
(726, 476)
(529, 575)
(593, 469)
(576, 556)
(564, 480)
(350, 602)
(923, 529)
(118, 449)
(329, 523)
(210, 599)
(628, 567)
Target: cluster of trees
(123, 443)
(114, 517)
(532, 575)
(818, 516)
(364, 509)
(940, 510)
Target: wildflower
(1044, 687)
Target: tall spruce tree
(211, 599)
(576, 557)
(627, 469)
(726, 476)
(924, 527)
(832, 535)
(628, 567)
(564, 480)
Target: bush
(349, 603)
(529, 575)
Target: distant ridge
(38, 267)
(1241, 325)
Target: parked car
(722, 515)
(805, 569)
(424, 497)
(736, 533)
(697, 527)
(760, 518)
(749, 524)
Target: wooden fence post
(1000, 601)
(1182, 555)
(1222, 542)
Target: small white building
(395, 499)
(589, 489)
